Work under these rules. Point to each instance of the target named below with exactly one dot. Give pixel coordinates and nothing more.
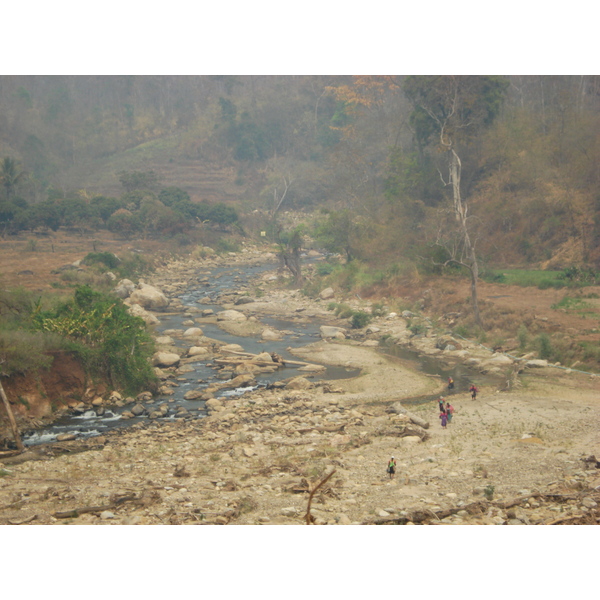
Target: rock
(193, 332)
(264, 357)
(137, 311)
(383, 513)
(137, 410)
(65, 437)
(163, 340)
(298, 383)
(165, 359)
(231, 315)
(270, 335)
(193, 395)
(243, 300)
(343, 519)
(124, 288)
(221, 520)
(289, 511)
(249, 451)
(98, 401)
(536, 363)
(411, 439)
(107, 514)
(589, 503)
(327, 293)
(232, 348)
(197, 351)
(149, 296)
(328, 331)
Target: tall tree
(10, 175)
(449, 111)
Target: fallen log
(68, 514)
(400, 410)
(287, 362)
(23, 521)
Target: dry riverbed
(516, 455)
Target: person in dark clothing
(392, 467)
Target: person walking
(392, 467)
(444, 418)
(450, 383)
(473, 391)
(441, 403)
(449, 411)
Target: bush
(360, 319)
(108, 259)
(544, 346)
(110, 341)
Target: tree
(10, 175)
(448, 112)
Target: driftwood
(67, 514)
(250, 355)
(23, 521)
(400, 410)
(11, 420)
(309, 518)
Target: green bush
(378, 310)
(544, 346)
(110, 341)
(360, 319)
(108, 259)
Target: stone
(329, 331)
(65, 437)
(298, 383)
(193, 395)
(536, 364)
(124, 288)
(289, 511)
(231, 315)
(193, 332)
(270, 335)
(264, 357)
(343, 519)
(327, 293)
(137, 311)
(107, 514)
(589, 503)
(165, 359)
(164, 340)
(137, 410)
(197, 351)
(149, 296)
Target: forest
(153, 154)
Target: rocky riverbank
(519, 454)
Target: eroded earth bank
(519, 454)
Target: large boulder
(149, 297)
(198, 351)
(124, 288)
(329, 331)
(165, 359)
(231, 315)
(327, 293)
(193, 332)
(137, 311)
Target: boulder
(270, 335)
(193, 332)
(536, 363)
(329, 331)
(137, 311)
(164, 340)
(327, 293)
(124, 288)
(149, 296)
(165, 359)
(137, 410)
(264, 357)
(231, 315)
(298, 383)
(197, 351)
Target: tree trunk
(460, 210)
(11, 419)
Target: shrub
(544, 346)
(378, 310)
(108, 259)
(360, 319)
(522, 336)
(109, 340)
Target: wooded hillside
(365, 150)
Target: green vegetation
(99, 330)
